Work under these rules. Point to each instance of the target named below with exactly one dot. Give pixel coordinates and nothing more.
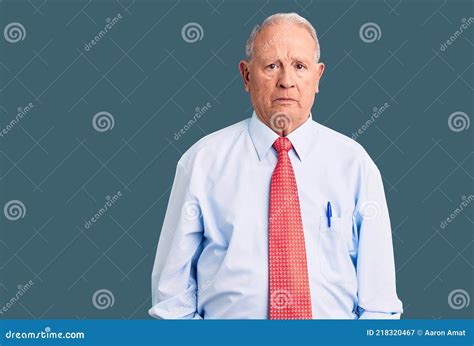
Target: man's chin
(287, 109)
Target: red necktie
(289, 292)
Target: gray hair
(290, 18)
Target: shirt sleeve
(377, 297)
(173, 280)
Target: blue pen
(329, 214)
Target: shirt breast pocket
(334, 256)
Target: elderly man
(276, 216)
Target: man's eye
(272, 66)
(300, 66)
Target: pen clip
(329, 213)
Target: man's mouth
(284, 100)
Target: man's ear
(320, 70)
(245, 74)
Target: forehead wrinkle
(280, 49)
(284, 58)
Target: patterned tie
(290, 297)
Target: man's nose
(285, 79)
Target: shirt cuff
(368, 315)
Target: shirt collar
(263, 137)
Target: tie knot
(282, 144)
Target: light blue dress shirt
(212, 255)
